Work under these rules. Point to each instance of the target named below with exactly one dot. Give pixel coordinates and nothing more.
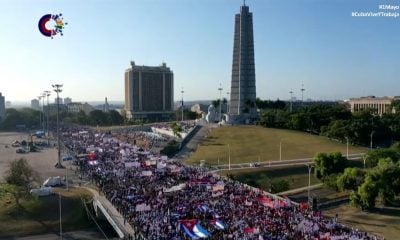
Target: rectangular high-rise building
(67, 100)
(35, 104)
(2, 107)
(149, 92)
(59, 100)
(243, 81)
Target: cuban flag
(203, 208)
(249, 230)
(266, 201)
(193, 229)
(218, 224)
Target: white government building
(379, 105)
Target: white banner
(142, 207)
(216, 194)
(175, 188)
(132, 164)
(147, 173)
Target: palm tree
(176, 129)
(225, 102)
(216, 103)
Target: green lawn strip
(262, 178)
(253, 143)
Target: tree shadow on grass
(387, 211)
(213, 144)
(365, 223)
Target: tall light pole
(309, 180)
(40, 112)
(220, 101)
(229, 156)
(291, 100)
(364, 159)
(182, 104)
(48, 93)
(372, 134)
(57, 89)
(347, 147)
(43, 123)
(302, 93)
(59, 206)
(227, 102)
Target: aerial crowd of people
(165, 199)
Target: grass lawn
(262, 178)
(384, 223)
(254, 143)
(41, 215)
(323, 195)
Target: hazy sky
(312, 42)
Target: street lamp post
(182, 104)
(40, 112)
(227, 102)
(372, 134)
(57, 89)
(229, 157)
(48, 93)
(220, 101)
(364, 159)
(59, 206)
(347, 147)
(43, 122)
(309, 180)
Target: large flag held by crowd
(193, 229)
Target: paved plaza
(42, 161)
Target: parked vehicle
(20, 150)
(53, 182)
(67, 158)
(39, 134)
(40, 192)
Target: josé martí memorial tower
(243, 82)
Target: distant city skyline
(315, 43)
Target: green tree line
(379, 182)
(31, 118)
(336, 122)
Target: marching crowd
(186, 126)
(163, 199)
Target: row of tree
(337, 122)
(30, 119)
(381, 181)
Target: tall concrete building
(243, 82)
(67, 100)
(149, 92)
(60, 101)
(76, 107)
(35, 104)
(2, 107)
